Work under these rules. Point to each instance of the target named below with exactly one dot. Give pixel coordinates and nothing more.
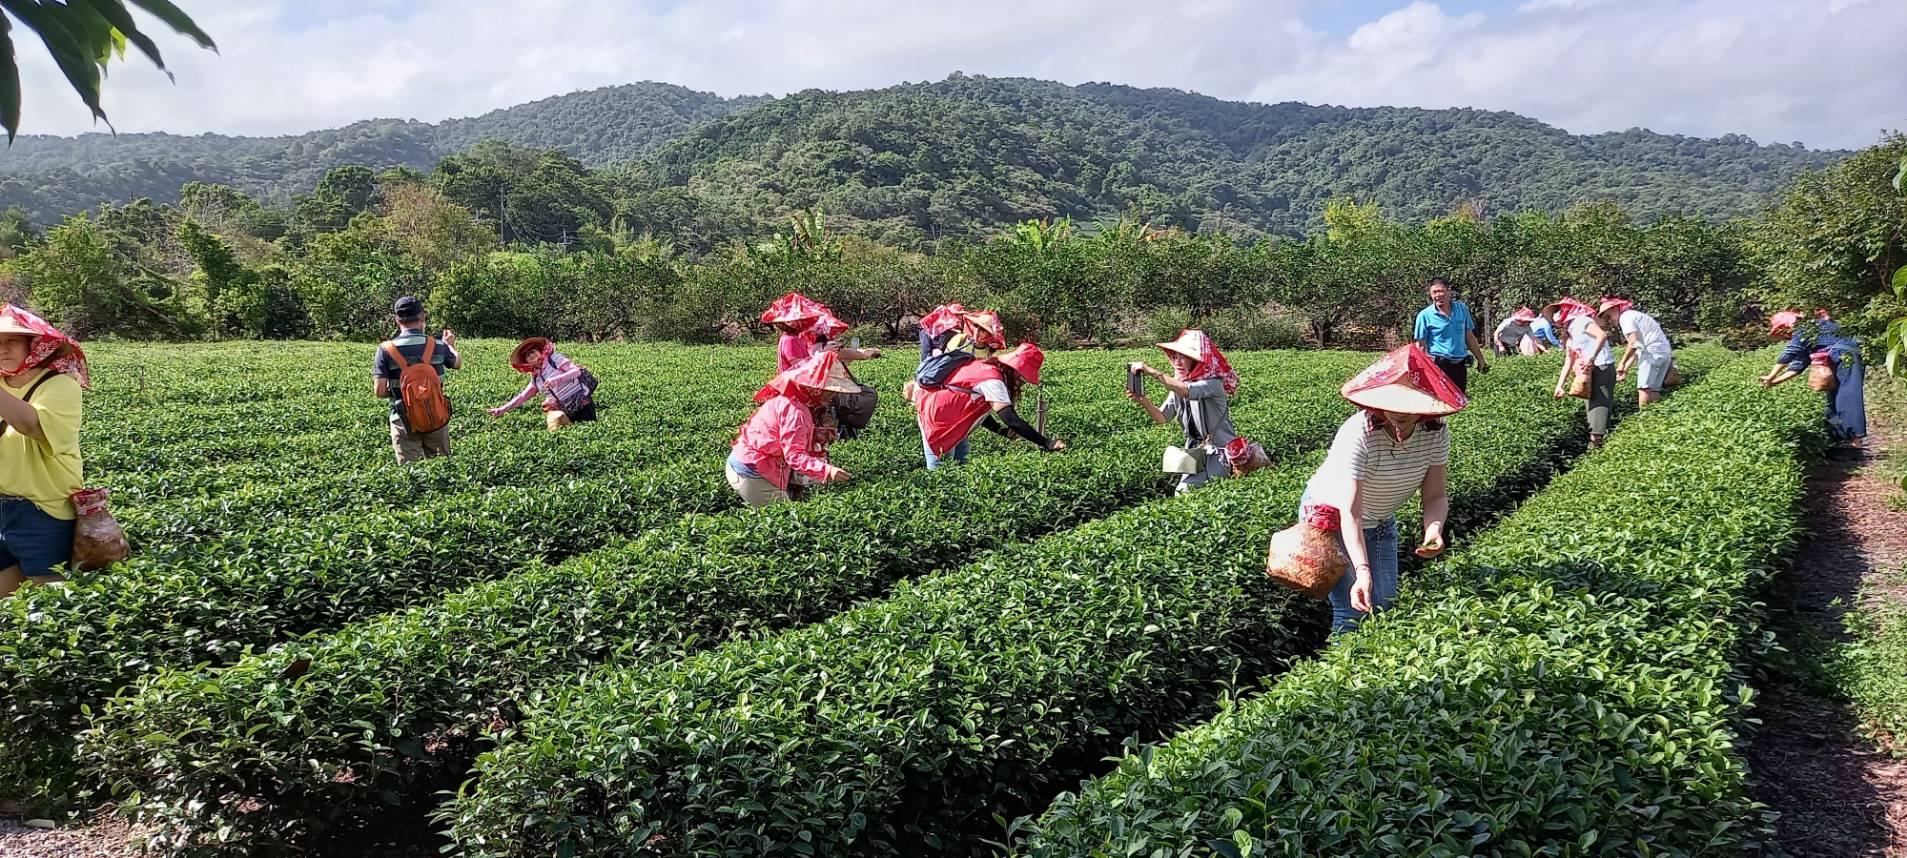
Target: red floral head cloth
(1208, 361)
(50, 347)
(942, 319)
(1784, 320)
(983, 327)
(1611, 302)
(793, 308)
(1406, 381)
(823, 371)
(1567, 309)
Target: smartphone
(1135, 383)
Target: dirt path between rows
(1836, 793)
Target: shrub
(900, 725)
(1563, 686)
(217, 595)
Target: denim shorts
(38, 543)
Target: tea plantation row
(906, 725)
(351, 733)
(1564, 686)
(209, 597)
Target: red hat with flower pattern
(50, 347)
(1406, 381)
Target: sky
(1826, 73)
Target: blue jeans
(29, 538)
(1380, 546)
(957, 455)
(1847, 402)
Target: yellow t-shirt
(45, 472)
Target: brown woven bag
(1306, 559)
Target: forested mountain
(52, 176)
(918, 161)
(969, 153)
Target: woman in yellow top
(42, 372)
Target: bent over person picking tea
(1394, 447)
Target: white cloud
(1829, 73)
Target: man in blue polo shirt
(1447, 330)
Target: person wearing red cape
(42, 376)
(1395, 446)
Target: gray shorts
(1651, 371)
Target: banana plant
(806, 238)
(1042, 235)
(82, 36)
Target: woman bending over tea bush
(1394, 447)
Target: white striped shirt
(1389, 472)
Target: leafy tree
(83, 282)
(16, 232)
(343, 194)
(229, 294)
(1838, 239)
(82, 36)
(435, 232)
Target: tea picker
(49, 521)
(977, 392)
(1393, 447)
(807, 327)
(569, 388)
(1198, 396)
(779, 440)
(1832, 362)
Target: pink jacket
(780, 437)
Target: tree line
(508, 241)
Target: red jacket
(779, 438)
(949, 413)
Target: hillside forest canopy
(1089, 214)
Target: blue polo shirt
(1446, 335)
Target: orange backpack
(421, 390)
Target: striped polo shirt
(1390, 472)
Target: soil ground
(1837, 793)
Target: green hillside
(919, 161)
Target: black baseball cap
(408, 307)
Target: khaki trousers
(411, 448)
(755, 491)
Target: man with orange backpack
(410, 372)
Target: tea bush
(903, 725)
(208, 586)
(382, 708)
(1565, 686)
